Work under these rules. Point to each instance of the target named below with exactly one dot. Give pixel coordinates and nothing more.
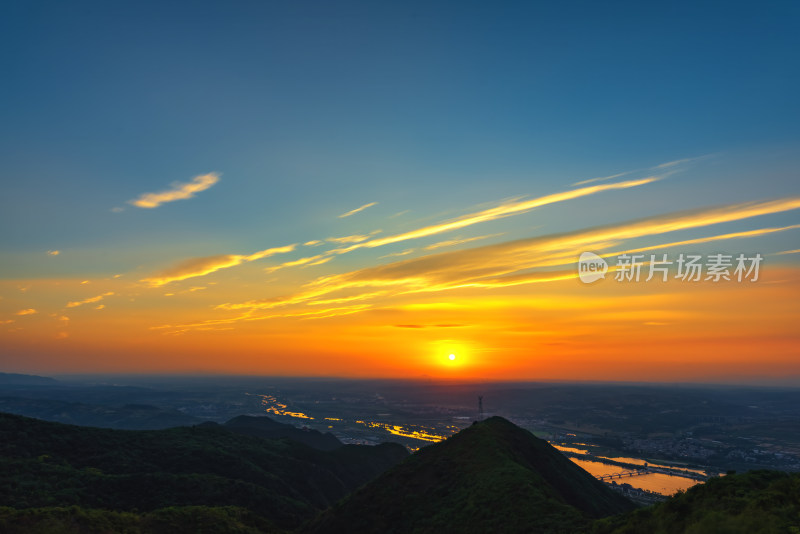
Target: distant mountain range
(128, 416)
(491, 477)
(14, 379)
(106, 407)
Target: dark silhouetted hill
(45, 464)
(758, 502)
(264, 427)
(490, 477)
(172, 520)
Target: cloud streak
(179, 191)
(454, 242)
(512, 263)
(358, 209)
(194, 267)
(498, 212)
(90, 300)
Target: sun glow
(450, 355)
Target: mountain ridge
(492, 476)
(45, 464)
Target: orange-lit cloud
(194, 267)
(179, 191)
(358, 209)
(90, 300)
(54, 252)
(319, 259)
(507, 264)
(454, 242)
(405, 252)
(348, 239)
(709, 239)
(201, 266)
(28, 311)
(503, 210)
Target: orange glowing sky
(335, 201)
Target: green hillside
(264, 427)
(758, 502)
(46, 464)
(173, 520)
(491, 477)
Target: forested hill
(491, 477)
(285, 482)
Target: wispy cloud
(202, 266)
(90, 300)
(179, 191)
(28, 311)
(348, 239)
(721, 237)
(319, 259)
(54, 252)
(503, 210)
(194, 267)
(678, 162)
(602, 178)
(511, 263)
(454, 242)
(358, 209)
(659, 167)
(248, 316)
(405, 252)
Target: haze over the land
(359, 189)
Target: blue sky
(309, 108)
(304, 111)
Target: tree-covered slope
(264, 427)
(46, 464)
(490, 477)
(173, 520)
(758, 502)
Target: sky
(362, 189)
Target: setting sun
(452, 357)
